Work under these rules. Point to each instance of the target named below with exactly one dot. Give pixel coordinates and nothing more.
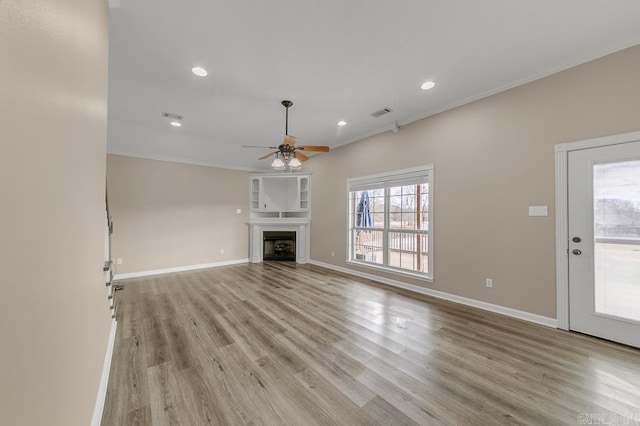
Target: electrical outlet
(489, 283)
(119, 261)
(238, 211)
(221, 251)
(333, 254)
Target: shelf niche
(286, 194)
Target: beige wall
(171, 215)
(54, 316)
(492, 158)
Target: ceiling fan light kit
(278, 164)
(287, 154)
(294, 163)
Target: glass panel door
(616, 204)
(604, 242)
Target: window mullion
(387, 224)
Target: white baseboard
(179, 269)
(527, 316)
(104, 380)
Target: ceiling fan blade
(314, 148)
(300, 156)
(290, 140)
(268, 155)
(261, 147)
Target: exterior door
(604, 242)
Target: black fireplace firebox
(279, 245)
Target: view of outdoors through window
(391, 226)
(616, 199)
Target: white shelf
(280, 195)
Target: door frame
(562, 214)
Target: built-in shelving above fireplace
(279, 202)
(280, 195)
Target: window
(390, 221)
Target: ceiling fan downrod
(286, 104)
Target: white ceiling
(335, 59)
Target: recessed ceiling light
(199, 71)
(427, 85)
(176, 123)
(342, 123)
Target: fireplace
(296, 230)
(279, 245)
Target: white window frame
(355, 184)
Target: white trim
(598, 142)
(104, 380)
(171, 159)
(179, 269)
(390, 174)
(562, 243)
(526, 316)
(391, 270)
(562, 214)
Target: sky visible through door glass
(617, 180)
(616, 198)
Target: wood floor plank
(518, 399)
(298, 405)
(280, 343)
(129, 372)
(180, 351)
(166, 402)
(386, 414)
(243, 338)
(138, 417)
(155, 341)
(344, 409)
(445, 396)
(300, 321)
(253, 386)
(338, 370)
(338, 324)
(210, 397)
(402, 401)
(202, 315)
(273, 347)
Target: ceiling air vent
(172, 116)
(380, 112)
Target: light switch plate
(538, 211)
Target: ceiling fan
(287, 153)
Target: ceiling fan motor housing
(286, 151)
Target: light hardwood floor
(277, 343)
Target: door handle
(577, 252)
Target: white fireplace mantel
(257, 227)
(279, 202)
